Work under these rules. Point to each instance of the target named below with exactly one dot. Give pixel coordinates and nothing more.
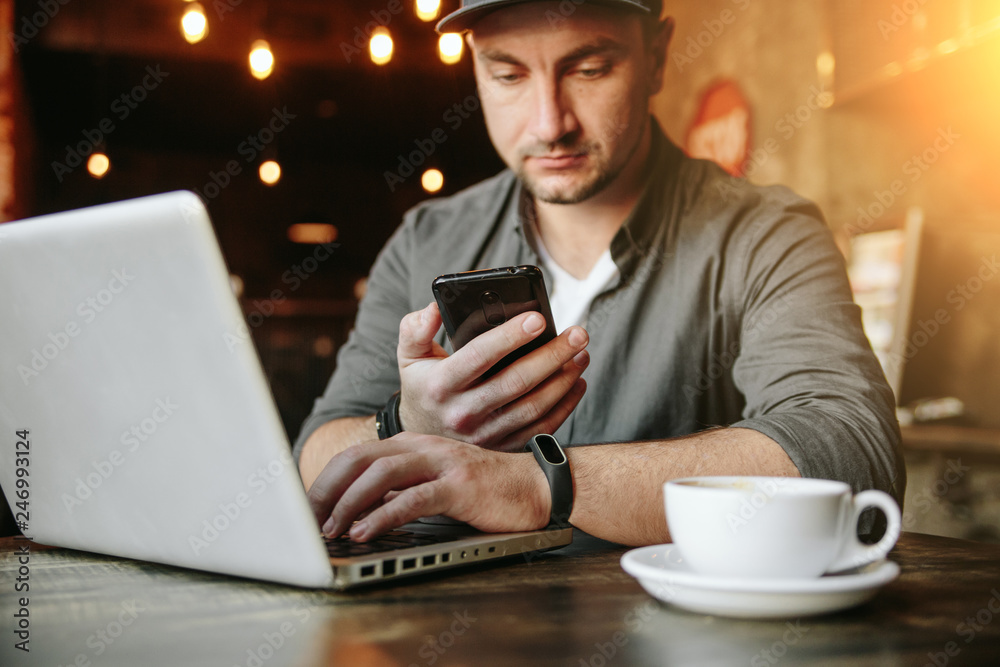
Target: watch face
(550, 449)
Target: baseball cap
(472, 10)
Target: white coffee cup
(773, 527)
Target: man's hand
(411, 475)
(443, 395)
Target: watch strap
(387, 420)
(555, 465)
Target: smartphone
(473, 302)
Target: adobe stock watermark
(230, 512)
(773, 654)
(33, 23)
(958, 297)
(121, 108)
(272, 642)
(103, 638)
(685, 54)
(408, 163)
(88, 310)
(722, 361)
(294, 278)
(968, 630)
(248, 149)
(634, 620)
(902, 13)
(753, 503)
(362, 34)
(922, 502)
(132, 439)
(914, 168)
(223, 7)
(435, 647)
(649, 268)
(785, 128)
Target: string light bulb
(98, 164)
(380, 46)
(432, 180)
(261, 59)
(194, 24)
(270, 172)
(450, 48)
(427, 10)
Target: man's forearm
(618, 487)
(329, 440)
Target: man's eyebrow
(497, 56)
(603, 46)
(600, 47)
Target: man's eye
(592, 71)
(507, 77)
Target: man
(713, 310)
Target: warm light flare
(427, 10)
(98, 165)
(380, 47)
(450, 48)
(261, 59)
(194, 25)
(270, 172)
(312, 232)
(826, 63)
(432, 180)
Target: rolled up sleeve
(810, 378)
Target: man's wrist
(538, 496)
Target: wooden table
(575, 607)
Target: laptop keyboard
(343, 547)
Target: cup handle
(854, 553)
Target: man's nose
(554, 117)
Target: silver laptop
(135, 419)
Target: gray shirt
(732, 309)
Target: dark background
(354, 121)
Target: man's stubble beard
(604, 175)
(558, 194)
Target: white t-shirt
(570, 297)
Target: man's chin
(563, 193)
(556, 190)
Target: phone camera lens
(490, 298)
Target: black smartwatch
(555, 465)
(387, 419)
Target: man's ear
(658, 47)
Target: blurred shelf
(922, 62)
(951, 439)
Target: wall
(770, 48)
(912, 123)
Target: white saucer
(663, 573)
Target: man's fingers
(468, 364)
(534, 369)
(425, 499)
(384, 474)
(539, 403)
(344, 468)
(416, 335)
(550, 423)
